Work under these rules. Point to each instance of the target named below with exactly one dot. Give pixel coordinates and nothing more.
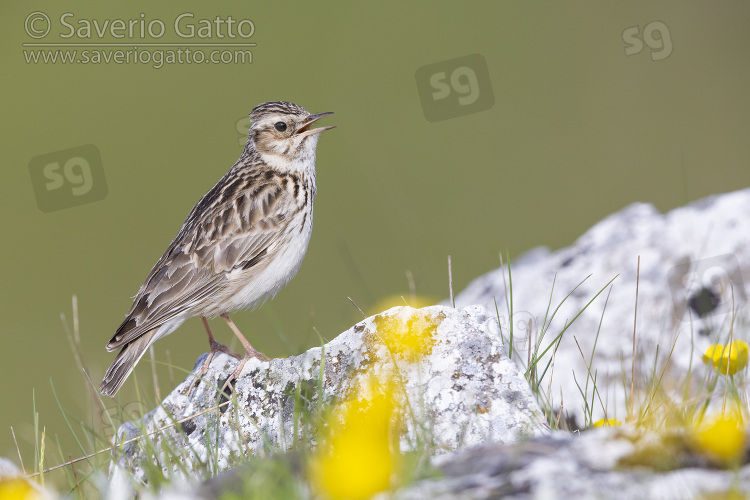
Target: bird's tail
(124, 363)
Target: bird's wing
(229, 232)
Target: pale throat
(302, 162)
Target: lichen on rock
(456, 388)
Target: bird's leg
(215, 347)
(250, 352)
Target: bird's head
(281, 132)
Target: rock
(456, 377)
(607, 463)
(622, 463)
(694, 271)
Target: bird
(240, 244)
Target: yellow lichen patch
(607, 422)
(722, 437)
(359, 457)
(409, 333)
(727, 359)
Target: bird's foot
(215, 347)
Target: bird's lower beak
(305, 131)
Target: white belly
(285, 260)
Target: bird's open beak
(305, 131)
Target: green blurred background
(577, 129)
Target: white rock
(611, 463)
(463, 386)
(707, 243)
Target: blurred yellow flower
(609, 422)
(416, 301)
(729, 358)
(409, 332)
(17, 488)
(723, 437)
(360, 460)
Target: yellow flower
(610, 422)
(722, 437)
(360, 460)
(727, 358)
(390, 301)
(409, 332)
(17, 488)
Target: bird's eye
(280, 126)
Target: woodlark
(241, 243)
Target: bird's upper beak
(305, 131)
